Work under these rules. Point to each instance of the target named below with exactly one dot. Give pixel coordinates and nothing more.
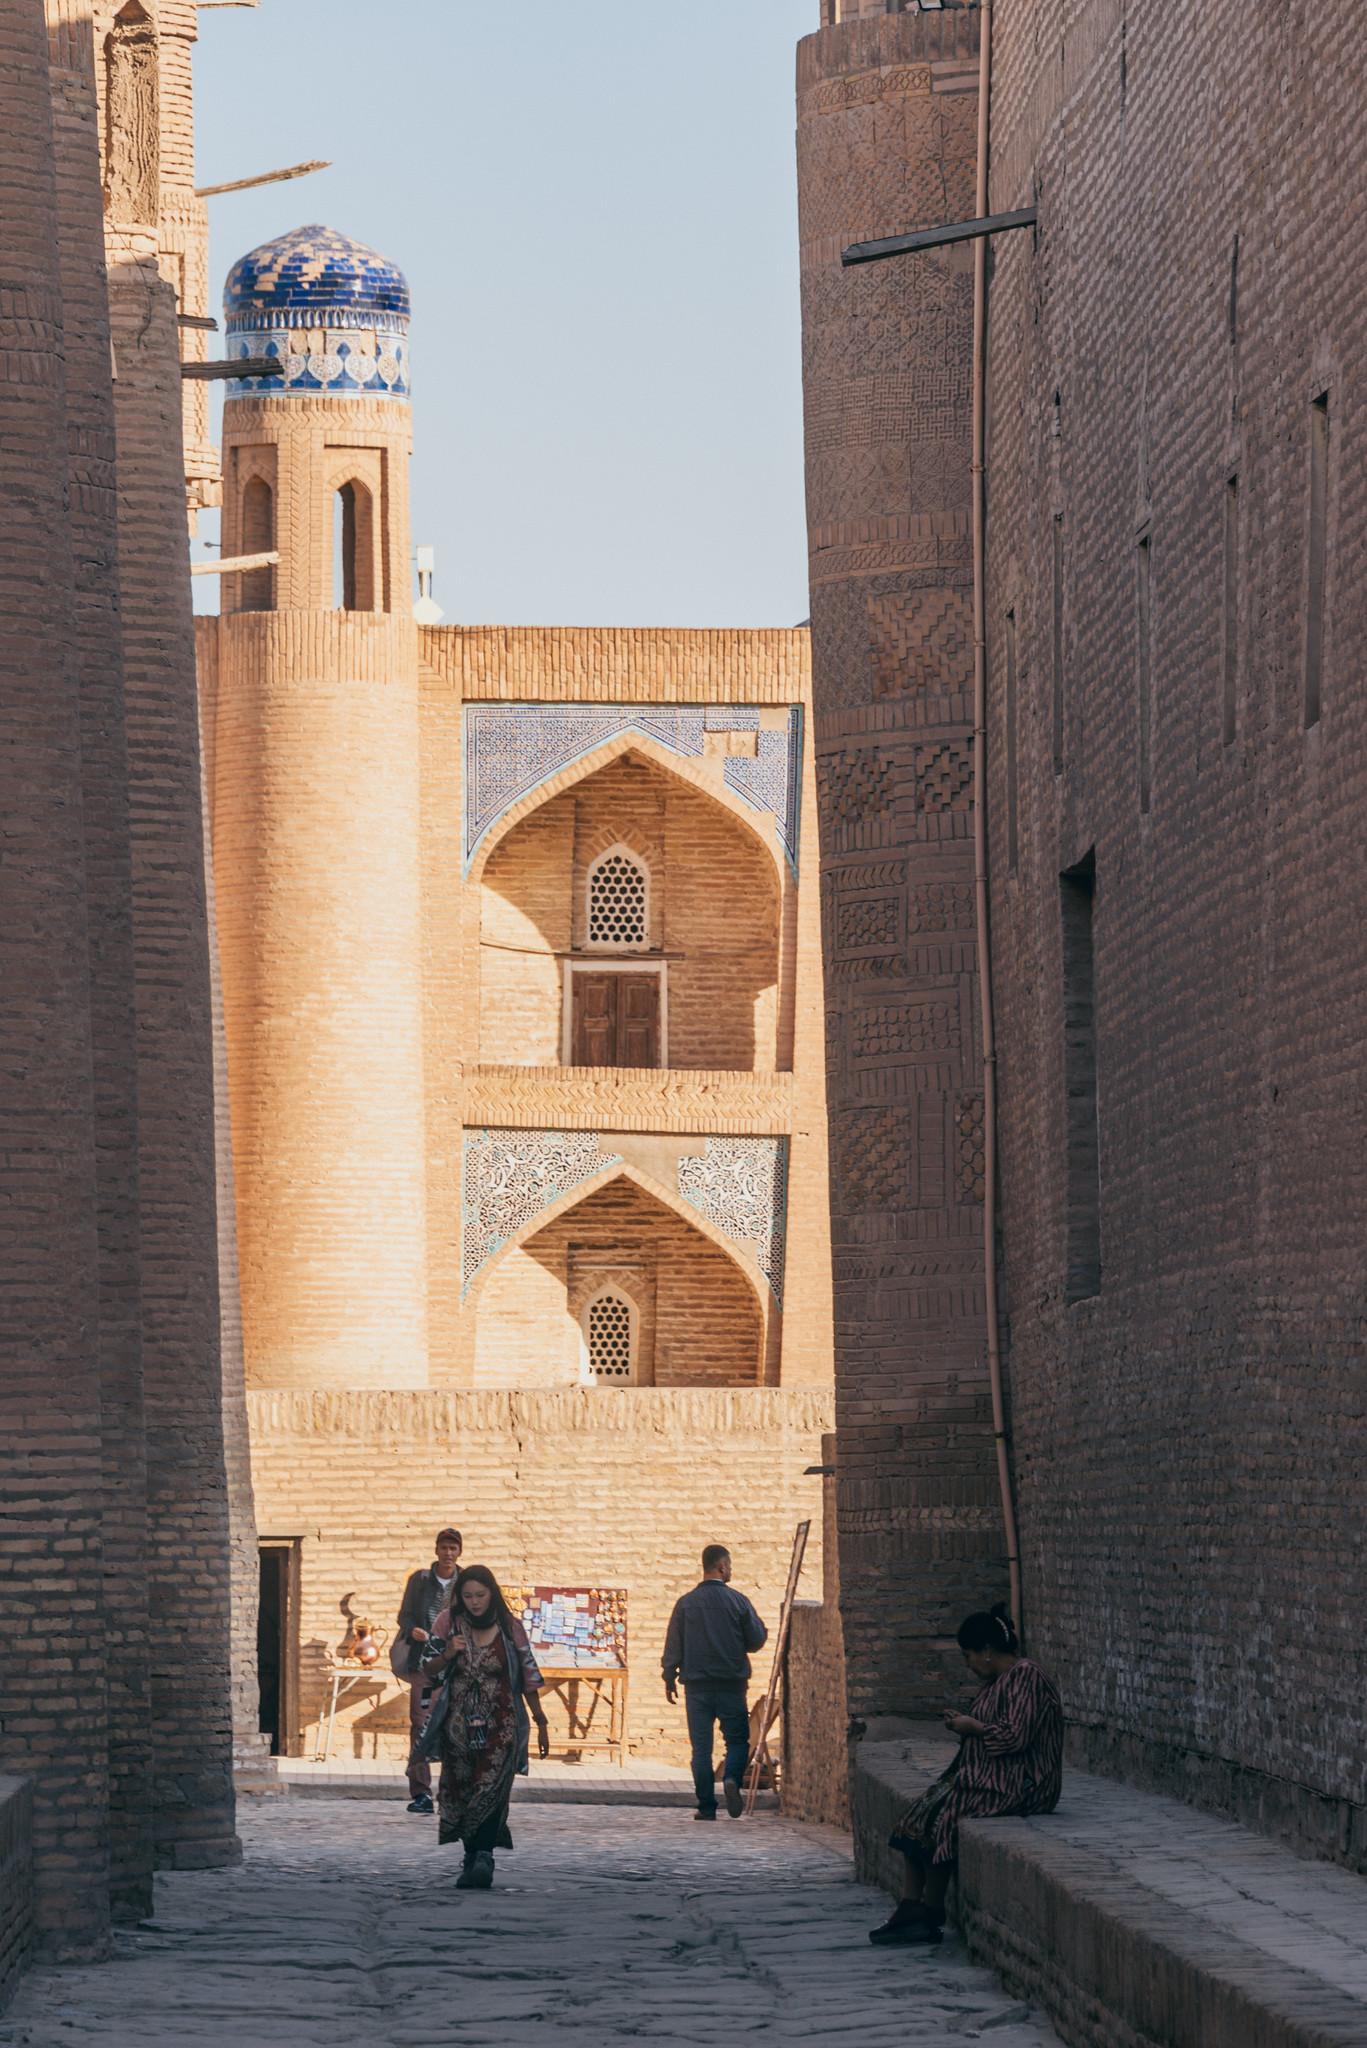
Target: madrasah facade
(519, 944)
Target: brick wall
(1190, 1441)
(699, 1321)
(571, 1488)
(886, 136)
(816, 1769)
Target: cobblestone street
(607, 1924)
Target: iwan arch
(520, 951)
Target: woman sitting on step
(1010, 1761)
(480, 1660)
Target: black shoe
(706, 1813)
(909, 1926)
(482, 1871)
(422, 1804)
(465, 1882)
(735, 1805)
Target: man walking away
(424, 1597)
(711, 1633)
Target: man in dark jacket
(711, 1633)
(424, 1597)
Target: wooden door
(615, 1020)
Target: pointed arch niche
(689, 1313)
(625, 869)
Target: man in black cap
(424, 1597)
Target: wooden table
(344, 1677)
(605, 1682)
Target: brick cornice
(629, 1099)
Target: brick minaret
(886, 142)
(312, 714)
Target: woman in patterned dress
(478, 1723)
(1010, 1761)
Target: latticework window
(619, 914)
(609, 1329)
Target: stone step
(553, 1784)
(1136, 1921)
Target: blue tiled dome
(312, 272)
(310, 279)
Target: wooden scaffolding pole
(769, 1715)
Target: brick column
(187, 1494)
(93, 527)
(52, 1723)
(886, 142)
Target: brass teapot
(364, 1643)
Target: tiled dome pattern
(311, 279)
(312, 270)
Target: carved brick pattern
(944, 776)
(868, 923)
(906, 1028)
(741, 1186)
(969, 1158)
(868, 967)
(921, 640)
(838, 94)
(940, 907)
(854, 787)
(872, 1159)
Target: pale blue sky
(595, 207)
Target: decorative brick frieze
(625, 1098)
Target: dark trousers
(487, 1835)
(707, 1705)
(419, 1770)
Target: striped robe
(1016, 1767)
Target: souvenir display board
(579, 1627)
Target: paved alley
(607, 1924)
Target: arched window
(610, 1339)
(256, 587)
(353, 549)
(132, 115)
(619, 902)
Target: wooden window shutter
(638, 1021)
(615, 1020)
(594, 1033)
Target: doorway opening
(276, 1636)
